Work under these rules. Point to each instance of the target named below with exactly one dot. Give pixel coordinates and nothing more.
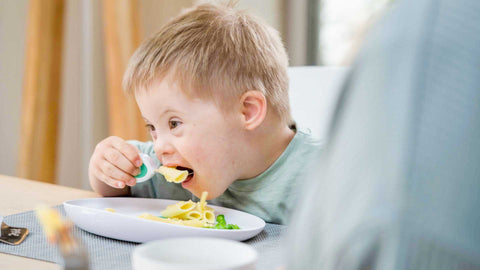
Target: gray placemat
(106, 253)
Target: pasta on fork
(172, 174)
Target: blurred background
(62, 61)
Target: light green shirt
(271, 195)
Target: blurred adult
(399, 187)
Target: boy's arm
(113, 166)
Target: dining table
(18, 195)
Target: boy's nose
(163, 148)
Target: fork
(74, 253)
(59, 232)
(12, 235)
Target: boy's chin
(212, 194)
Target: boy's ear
(253, 108)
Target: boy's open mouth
(190, 174)
(190, 171)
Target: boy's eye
(173, 124)
(150, 127)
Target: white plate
(124, 224)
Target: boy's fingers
(128, 150)
(111, 171)
(110, 181)
(120, 161)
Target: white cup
(199, 253)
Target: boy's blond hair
(215, 52)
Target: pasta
(209, 216)
(191, 223)
(173, 175)
(178, 209)
(193, 214)
(188, 213)
(203, 201)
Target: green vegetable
(222, 224)
(219, 226)
(221, 219)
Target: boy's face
(194, 134)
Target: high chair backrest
(313, 95)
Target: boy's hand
(115, 163)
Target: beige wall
(13, 15)
(271, 11)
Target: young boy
(212, 87)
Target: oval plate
(91, 216)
